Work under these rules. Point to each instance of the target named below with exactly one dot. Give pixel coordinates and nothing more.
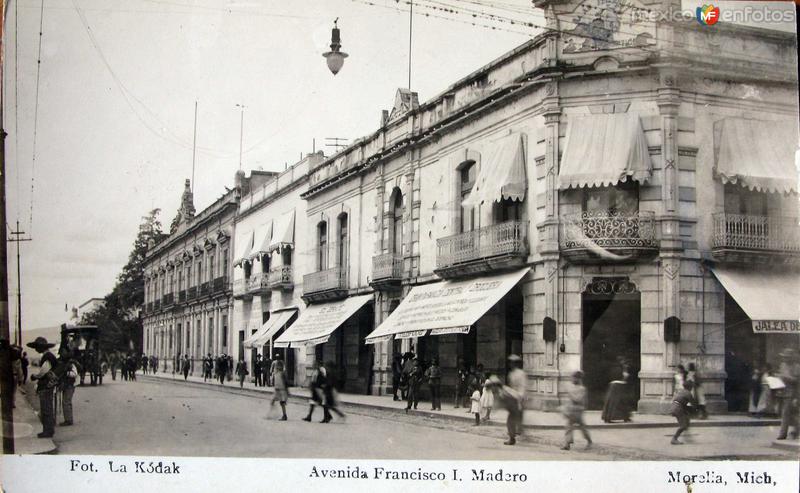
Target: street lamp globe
(335, 57)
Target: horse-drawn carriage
(84, 345)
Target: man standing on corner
(46, 382)
(67, 374)
(517, 381)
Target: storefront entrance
(347, 358)
(611, 333)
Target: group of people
(219, 368)
(128, 364)
(264, 369)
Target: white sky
(101, 165)
(110, 148)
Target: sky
(117, 87)
(118, 82)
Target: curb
(251, 392)
(24, 413)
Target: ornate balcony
(156, 305)
(281, 278)
(149, 309)
(205, 289)
(240, 289)
(745, 239)
(182, 296)
(259, 284)
(485, 250)
(329, 284)
(220, 284)
(191, 293)
(167, 300)
(387, 271)
(592, 236)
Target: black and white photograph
(435, 245)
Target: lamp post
(335, 58)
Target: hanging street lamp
(335, 58)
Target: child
(281, 391)
(573, 411)
(680, 409)
(476, 405)
(487, 400)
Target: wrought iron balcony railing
(191, 293)
(281, 277)
(590, 230)
(508, 238)
(205, 289)
(759, 233)
(220, 284)
(239, 287)
(387, 266)
(182, 296)
(325, 280)
(258, 283)
(167, 300)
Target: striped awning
(244, 248)
(262, 239)
(502, 176)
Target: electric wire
(36, 115)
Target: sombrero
(40, 343)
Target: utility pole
(6, 375)
(17, 238)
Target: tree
(118, 319)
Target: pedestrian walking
(186, 365)
(573, 409)
(408, 365)
(789, 373)
(682, 401)
(397, 373)
(318, 380)
(67, 373)
(229, 367)
(257, 368)
(461, 383)
(241, 371)
(434, 376)
(46, 382)
(144, 364)
(24, 363)
(415, 377)
(516, 389)
(475, 405)
(281, 394)
(698, 392)
(487, 401)
(208, 367)
(122, 361)
(131, 368)
(331, 402)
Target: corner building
(603, 195)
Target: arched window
(342, 251)
(322, 246)
(467, 171)
(397, 222)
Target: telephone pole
(17, 238)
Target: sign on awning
(317, 322)
(770, 299)
(449, 307)
(277, 320)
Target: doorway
(611, 334)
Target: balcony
(325, 285)
(191, 293)
(205, 289)
(220, 284)
(168, 300)
(156, 305)
(240, 289)
(387, 271)
(746, 239)
(592, 236)
(182, 296)
(149, 308)
(482, 251)
(281, 278)
(259, 284)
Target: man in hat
(67, 373)
(46, 382)
(572, 410)
(257, 371)
(789, 373)
(517, 382)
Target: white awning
(263, 237)
(283, 232)
(759, 155)
(502, 176)
(445, 307)
(244, 248)
(317, 322)
(770, 299)
(603, 150)
(276, 321)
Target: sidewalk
(27, 425)
(536, 420)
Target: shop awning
(502, 176)
(603, 150)
(445, 307)
(770, 299)
(244, 248)
(317, 322)
(759, 155)
(263, 237)
(283, 232)
(276, 321)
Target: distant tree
(118, 319)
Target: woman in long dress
(618, 404)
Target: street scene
(549, 230)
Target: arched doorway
(611, 335)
